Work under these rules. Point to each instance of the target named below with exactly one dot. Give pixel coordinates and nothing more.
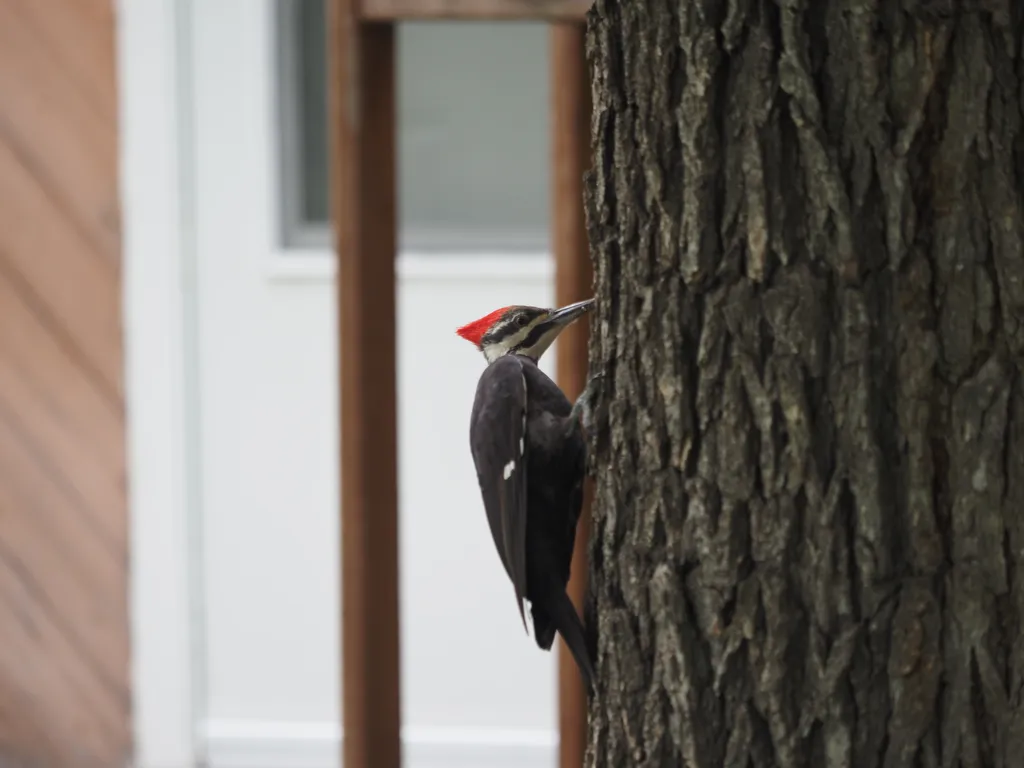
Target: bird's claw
(583, 409)
(582, 415)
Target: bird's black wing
(497, 437)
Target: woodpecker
(529, 450)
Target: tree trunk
(805, 219)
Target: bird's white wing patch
(509, 469)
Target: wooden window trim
(361, 110)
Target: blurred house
(168, 416)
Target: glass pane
(473, 106)
(313, 95)
(472, 139)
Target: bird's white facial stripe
(497, 343)
(509, 469)
(542, 344)
(495, 350)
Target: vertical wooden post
(363, 181)
(570, 104)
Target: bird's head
(521, 330)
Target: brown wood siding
(64, 642)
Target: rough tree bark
(806, 225)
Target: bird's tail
(558, 613)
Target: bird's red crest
(474, 331)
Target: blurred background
(169, 484)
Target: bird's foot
(582, 412)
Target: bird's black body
(530, 457)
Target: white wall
(231, 359)
(471, 677)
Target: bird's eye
(522, 320)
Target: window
(472, 139)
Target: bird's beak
(560, 318)
(551, 325)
